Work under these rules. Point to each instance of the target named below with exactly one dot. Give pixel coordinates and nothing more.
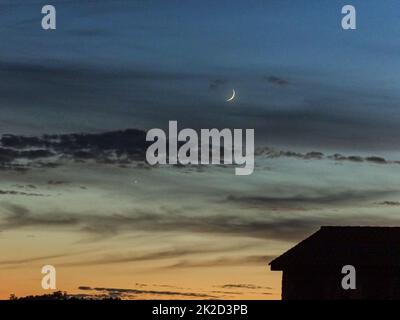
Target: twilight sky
(323, 103)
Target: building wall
(325, 283)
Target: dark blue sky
(300, 79)
(302, 82)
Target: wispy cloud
(226, 261)
(31, 259)
(317, 155)
(277, 81)
(156, 255)
(19, 193)
(252, 226)
(121, 148)
(117, 147)
(311, 200)
(123, 292)
(243, 286)
(389, 203)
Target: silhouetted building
(313, 268)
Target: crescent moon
(233, 96)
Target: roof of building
(333, 246)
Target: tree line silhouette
(61, 295)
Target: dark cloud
(316, 155)
(85, 288)
(156, 255)
(217, 83)
(56, 182)
(304, 201)
(244, 286)
(222, 262)
(20, 216)
(389, 203)
(371, 159)
(273, 153)
(13, 263)
(122, 148)
(18, 193)
(226, 292)
(378, 160)
(277, 81)
(339, 157)
(251, 225)
(14, 167)
(32, 259)
(8, 154)
(117, 147)
(136, 292)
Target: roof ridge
(373, 245)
